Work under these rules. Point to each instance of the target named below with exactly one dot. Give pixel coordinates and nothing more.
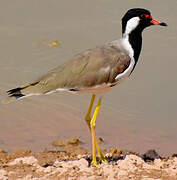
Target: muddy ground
(71, 161)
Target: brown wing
(89, 68)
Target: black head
(139, 18)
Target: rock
(172, 168)
(48, 169)
(158, 163)
(131, 167)
(150, 155)
(28, 177)
(3, 177)
(57, 163)
(130, 161)
(108, 171)
(25, 160)
(82, 163)
(174, 155)
(3, 174)
(122, 173)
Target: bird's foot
(101, 160)
(94, 163)
(101, 157)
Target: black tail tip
(12, 91)
(15, 93)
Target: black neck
(135, 39)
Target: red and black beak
(157, 22)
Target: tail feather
(24, 91)
(15, 93)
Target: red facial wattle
(154, 21)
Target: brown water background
(140, 114)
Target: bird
(95, 71)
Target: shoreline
(72, 161)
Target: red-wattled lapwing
(95, 71)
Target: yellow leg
(88, 121)
(87, 117)
(92, 125)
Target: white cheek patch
(132, 24)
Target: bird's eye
(146, 17)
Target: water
(139, 114)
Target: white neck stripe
(131, 24)
(126, 44)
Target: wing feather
(90, 68)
